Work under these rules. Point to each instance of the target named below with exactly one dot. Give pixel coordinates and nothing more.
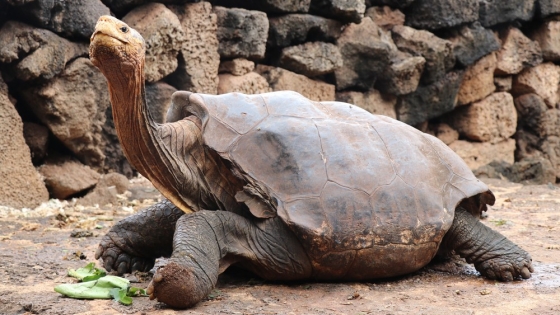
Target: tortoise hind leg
(493, 255)
(136, 241)
(207, 242)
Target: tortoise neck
(135, 126)
(136, 129)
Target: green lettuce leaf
(97, 285)
(121, 296)
(87, 273)
(96, 289)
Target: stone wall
(480, 75)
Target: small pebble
(81, 233)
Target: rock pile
(480, 75)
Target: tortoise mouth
(104, 46)
(104, 39)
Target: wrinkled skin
(221, 231)
(207, 242)
(492, 254)
(133, 246)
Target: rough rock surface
(199, 60)
(271, 6)
(494, 12)
(106, 190)
(538, 120)
(402, 75)
(73, 106)
(158, 97)
(249, 83)
(343, 10)
(503, 84)
(542, 80)
(539, 124)
(445, 133)
(436, 14)
(392, 3)
(294, 29)
(37, 139)
(366, 52)
(517, 52)
(385, 17)
(477, 154)
(472, 42)
(237, 66)
(531, 170)
(532, 112)
(548, 37)
(164, 37)
(76, 18)
(21, 185)
(551, 150)
(311, 59)
(36, 53)
(437, 52)
(372, 101)
(121, 6)
(548, 7)
(535, 123)
(241, 33)
(492, 119)
(67, 178)
(478, 81)
(430, 101)
(100, 195)
(116, 180)
(280, 79)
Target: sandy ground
(36, 249)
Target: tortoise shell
(344, 180)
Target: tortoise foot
(115, 258)
(135, 242)
(507, 267)
(176, 286)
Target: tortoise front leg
(493, 255)
(207, 242)
(136, 241)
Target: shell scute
(345, 111)
(356, 146)
(238, 111)
(346, 208)
(291, 104)
(284, 154)
(222, 136)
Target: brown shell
(341, 177)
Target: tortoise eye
(124, 29)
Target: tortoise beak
(107, 26)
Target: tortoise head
(116, 48)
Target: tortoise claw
(526, 272)
(115, 258)
(507, 267)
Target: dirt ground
(38, 246)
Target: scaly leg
(493, 255)
(136, 241)
(207, 242)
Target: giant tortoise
(285, 187)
